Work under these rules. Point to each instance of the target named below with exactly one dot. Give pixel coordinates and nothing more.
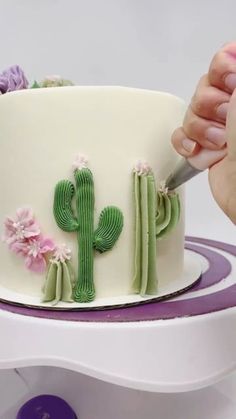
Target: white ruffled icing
(142, 168)
(61, 253)
(53, 78)
(80, 162)
(162, 187)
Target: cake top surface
(14, 82)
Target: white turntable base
(127, 364)
(94, 399)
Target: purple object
(46, 407)
(219, 268)
(13, 78)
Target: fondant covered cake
(85, 215)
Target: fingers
(184, 145)
(207, 133)
(231, 129)
(222, 71)
(198, 132)
(205, 119)
(209, 102)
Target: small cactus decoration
(60, 281)
(52, 81)
(156, 214)
(102, 239)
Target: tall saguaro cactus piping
(102, 239)
(156, 214)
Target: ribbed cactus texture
(156, 214)
(104, 238)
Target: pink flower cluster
(24, 238)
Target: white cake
(42, 131)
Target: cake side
(44, 129)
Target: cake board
(177, 345)
(166, 289)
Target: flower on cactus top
(55, 81)
(23, 226)
(53, 78)
(13, 78)
(61, 253)
(162, 187)
(80, 162)
(142, 168)
(34, 251)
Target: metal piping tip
(181, 174)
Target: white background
(164, 45)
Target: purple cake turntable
(199, 324)
(46, 407)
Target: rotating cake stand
(178, 345)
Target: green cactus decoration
(52, 81)
(59, 283)
(55, 81)
(105, 236)
(60, 280)
(156, 214)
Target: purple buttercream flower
(12, 79)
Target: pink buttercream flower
(80, 162)
(61, 253)
(34, 253)
(20, 247)
(162, 187)
(142, 168)
(22, 227)
(22, 234)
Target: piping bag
(191, 166)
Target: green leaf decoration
(35, 85)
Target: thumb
(231, 128)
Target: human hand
(210, 122)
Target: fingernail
(216, 136)
(188, 145)
(222, 110)
(230, 81)
(231, 51)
